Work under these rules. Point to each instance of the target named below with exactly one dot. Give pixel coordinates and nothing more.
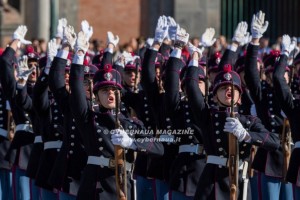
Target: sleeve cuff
(193, 63)
(232, 48)
(78, 59)
(176, 53)
(110, 50)
(154, 49)
(63, 54)
(8, 105)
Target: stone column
(197, 15)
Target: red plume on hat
(227, 68)
(29, 49)
(107, 68)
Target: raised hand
(111, 39)
(207, 38)
(87, 29)
(60, 27)
(258, 25)
(240, 33)
(69, 36)
(161, 30)
(19, 34)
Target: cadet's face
(106, 97)
(286, 77)
(157, 73)
(87, 84)
(67, 80)
(224, 95)
(129, 78)
(201, 85)
(32, 77)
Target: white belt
(107, 162)
(166, 138)
(24, 127)
(38, 139)
(3, 132)
(52, 145)
(216, 160)
(197, 149)
(297, 145)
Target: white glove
(258, 25)
(207, 38)
(120, 61)
(112, 39)
(69, 36)
(182, 37)
(240, 32)
(82, 42)
(51, 52)
(121, 138)
(247, 39)
(19, 34)
(161, 30)
(60, 27)
(286, 45)
(193, 49)
(87, 29)
(172, 28)
(128, 57)
(234, 126)
(23, 71)
(149, 42)
(293, 46)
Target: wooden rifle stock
(137, 65)
(120, 166)
(233, 159)
(252, 155)
(286, 146)
(10, 126)
(91, 92)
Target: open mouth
(111, 99)
(228, 94)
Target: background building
(134, 18)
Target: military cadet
(159, 167)
(189, 164)
(72, 158)
(290, 106)
(51, 120)
(24, 134)
(215, 124)
(99, 174)
(269, 163)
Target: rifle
(137, 65)
(10, 126)
(120, 166)
(252, 155)
(233, 159)
(91, 92)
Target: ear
(239, 102)
(97, 99)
